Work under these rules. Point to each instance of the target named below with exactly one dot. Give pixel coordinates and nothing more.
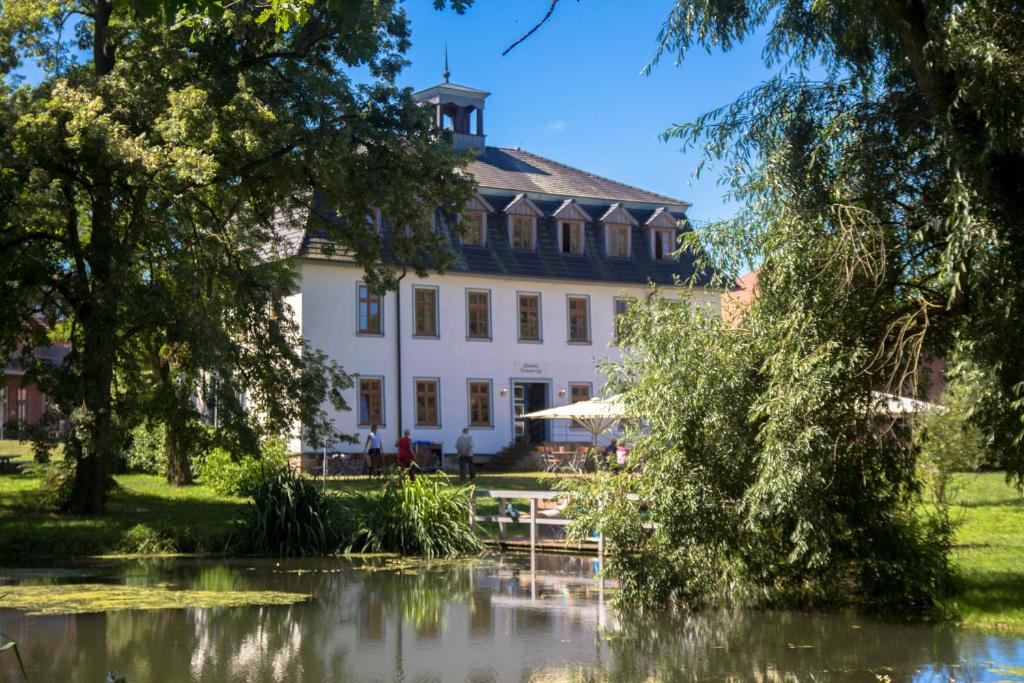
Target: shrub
(230, 476)
(56, 483)
(145, 540)
(289, 516)
(145, 453)
(948, 441)
(427, 517)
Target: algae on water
(90, 597)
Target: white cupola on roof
(454, 108)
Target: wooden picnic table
(7, 463)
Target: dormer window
(475, 234)
(522, 223)
(662, 226)
(521, 229)
(570, 236)
(664, 243)
(475, 217)
(617, 240)
(618, 230)
(570, 218)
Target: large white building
(518, 322)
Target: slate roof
(547, 261)
(516, 169)
(500, 174)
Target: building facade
(521, 319)
(22, 403)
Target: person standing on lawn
(405, 456)
(372, 449)
(464, 447)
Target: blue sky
(574, 91)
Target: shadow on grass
(1001, 503)
(996, 595)
(182, 520)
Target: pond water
(499, 618)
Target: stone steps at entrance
(516, 457)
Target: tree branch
(533, 30)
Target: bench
(7, 463)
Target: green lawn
(990, 553)
(22, 449)
(144, 516)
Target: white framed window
(370, 312)
(371, 401)
(578, 316)
(424, 299)
(21, 405)
(570, 237)
(663, 241)
(522, 231)
(617, 240)
(478, 314)
(529, 316)
(428, 411)
(579, 391)
(476, 229)
(479, 399)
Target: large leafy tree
(880, 175)
(887, 146)
(152, 179)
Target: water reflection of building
(502, 620)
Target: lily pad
(89, 597)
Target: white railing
(532, 518)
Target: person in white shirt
(372, 450)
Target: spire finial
(446, 73)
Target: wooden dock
(534, 519)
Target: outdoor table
(6, 464)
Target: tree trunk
(179, 470)
(97, 452)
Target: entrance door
(528, 397)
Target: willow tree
(880, 175)
(890, 141)
(153, 170)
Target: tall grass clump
(289, 516)
(427, 517)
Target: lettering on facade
(524, 368)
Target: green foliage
(152, 185)
(948, 441)
(242, 476)
(427, 517)
(142, 539)
(289, 516)
(879, 174)
(56, 483)
(763, 469)
(145, 454)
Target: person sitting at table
(609, 452)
